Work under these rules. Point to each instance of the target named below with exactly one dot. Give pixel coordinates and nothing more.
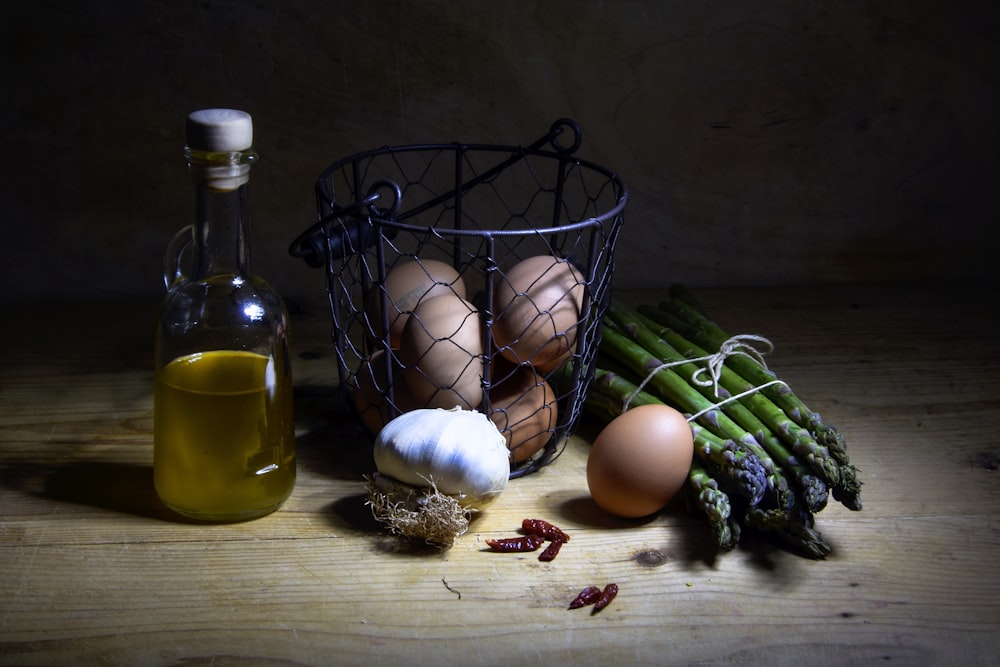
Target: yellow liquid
(223, 436)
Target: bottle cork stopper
(219, 130)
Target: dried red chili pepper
(516, 544)
(607, 595)
(588, 595)
(551, 551)
(544, 528)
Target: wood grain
(97, 572)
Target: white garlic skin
(461, 451)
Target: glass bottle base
(224, 517)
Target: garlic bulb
(460, 452)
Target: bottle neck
(222, 226)
(222, 232)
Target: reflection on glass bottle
(223, 433)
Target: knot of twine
(737, 345)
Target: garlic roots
(417, 513)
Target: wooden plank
(97, 572)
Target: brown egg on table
(537, 306)
(406, 285)
(640, 461)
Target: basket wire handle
(353, 236)
(557, 129)
(551, 137)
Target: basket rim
(516, 152)
(348, 216)
(446, 232)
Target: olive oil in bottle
(223, 424)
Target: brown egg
(536, 311)
(640, 460)
(405, 286)
(442, 349)
(370, 394)
(523, 406)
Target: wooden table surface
(96, 572)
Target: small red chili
(607, 595)
(588, 595)
(551, 551)
(545, 529)
(516, 544)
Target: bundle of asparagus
(763, 459)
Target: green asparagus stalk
(816, 455)
(705, 494)
(814, 491)
(745, 451)
(605, 401)
(618, 387)
(797, 534)
(848, 492)
(743, 469)
(601, 406)
(698, 326)
(709, 335)
(681, 292)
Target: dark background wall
(764, 142)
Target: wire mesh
(458, 220)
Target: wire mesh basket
(421, 245)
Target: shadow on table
(120, 487)
(689, 540)
(687, 537)
(330, 441)
(336, 450)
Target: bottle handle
(172, 260)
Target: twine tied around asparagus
(735, 345)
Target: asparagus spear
(798, 438)
(824, 433)
(711, 499)
(848, 488)
(743, 469)
(848, 492)
(798, 534)
(705, 332)
(698, 326)
(606, 401)
(814, 490)
(706, 495)
(620, 388)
